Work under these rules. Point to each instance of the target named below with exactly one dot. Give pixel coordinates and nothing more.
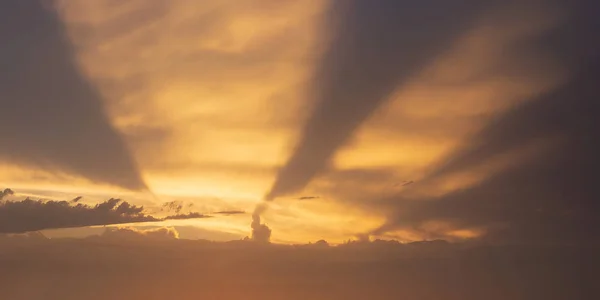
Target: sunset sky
(466, 120)
(299, 149)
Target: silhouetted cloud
(550, 196)
(376, 46)
(33, 215)
(260, 232)
(173, 206)
(51, 117)
(191, 215)
(6, 192)
(128, 233)
(132, 264)
(27, 236)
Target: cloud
(6, 192)
(548, 195)
(173, 206)
(376, 46)
(191, 215)
(128, 233)
(34, 236)
(260, 232)
(33, 215)
(51, 117)
(141, 265)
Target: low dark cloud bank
(552, 196)
(125, 264)
(191, 215)
(260, 232)
(50, 115)
(33, 215)
(127, 234)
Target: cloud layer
(33, 215)
(126, 264)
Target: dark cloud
(33, 215)
(6, 192)
(133, 264)
(376, 46)
(260, 232)
(173, 206)
(51, 117)
(191, 215)
(128, 233)
(552, 196)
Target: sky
(328, 119)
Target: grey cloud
(137, 266)
(377, 46)
(174, 206)
(260, 232)
(51, 116)
(33, 215)
(191, 215)
(6, 192)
